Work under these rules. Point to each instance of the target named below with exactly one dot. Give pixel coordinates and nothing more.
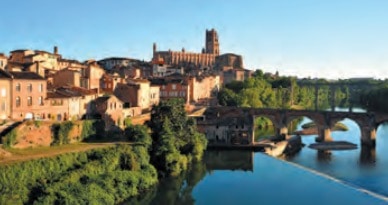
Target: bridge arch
(264, 126)
(354, 129)
(292, 119)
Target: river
(243, 177)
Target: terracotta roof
(26, 75)
(118, 58)
(51, 94)
(4, 74)
(19, 50)
(102, 99)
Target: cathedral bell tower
(212, 45)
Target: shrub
(61, 132)
(10, 138)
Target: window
(3, 92)
(18, 102)
(41, 87)
(29, 101)
(3, 105)
(18, 87)
(29, 87)
(40, 101)
(173, 86)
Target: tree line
(262, 91)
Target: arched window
(40, 100)
(41, 87)
(29, 101)
(18, 101)
(29, 87)
(18, 87)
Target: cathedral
(204, 59)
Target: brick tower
(212, 45)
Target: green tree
(138, 133)
(176, 140)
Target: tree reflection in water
(178, 190)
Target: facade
(138, 93)
(70, 64)
(3, 61)
(226, 127)
(110, 109)
(228, 61)
(59, 106)
(117, 62)
(46, 59)
(91, 76)
(231, 68)
(204, 89)
(28, 94)
(204, 59)
(160, 70)
(109, 82)
(66, 77)
(5, 95)
(174, 86)
(70, 102)
(235, 75)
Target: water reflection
(229, 160)
(367, 156)
(324, 156)
(178, 190)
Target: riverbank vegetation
(175, 139)
(107, 176)
(375, 99)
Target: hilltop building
(204, 59)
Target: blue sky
(324, 38)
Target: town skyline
(331, 40)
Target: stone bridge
(281, 118)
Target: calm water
(242, 177)
(361, 167)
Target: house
(59, 106)
(66, 77)
(231, 67)
(174, 86)
(235, 75)
(226, 126)
(109, 82)
(5, 94)
(204, 88)
(91, 76)
(28, 92)
(3, 61)
(138, 93)
(116, 62)
(70, 102)
(109, 109)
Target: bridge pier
(367, 155)
(368, 137)
(282, 130)
(324, 135)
